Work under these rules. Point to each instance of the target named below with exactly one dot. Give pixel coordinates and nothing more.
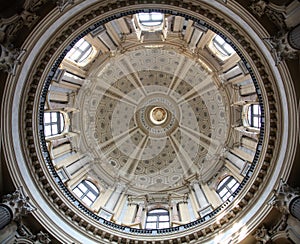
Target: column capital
(262, 235)
(18, 203)
(283, 197)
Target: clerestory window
(227, 187)
(87, 192)
(222, 46)
(150, 19)
(80, 52)
(158, 219)
(53, 123)
(254, 116)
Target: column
(212, 196)
(175, 214)
(112, 201)
(200, 196)
(235, 160)
(184, 212)
(241, 154)
(129, 215)
(247, 89)
(230, 62)
(294, 37)
(249, 143)
(295, 207)
(13, 207)
(236, 173)
(5, 216)
(60, 150)
(139, 213)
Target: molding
(75, 225)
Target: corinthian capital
(283, 197)
(18, 203)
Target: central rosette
(158, 115)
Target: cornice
(48, 49)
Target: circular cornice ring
(33, 158)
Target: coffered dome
(152, 127)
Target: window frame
(156, 214)
(90, 187)
(251, 115)
(147, 23)
(60, 123)
(222, 46)
(84, 53)
(224, 184)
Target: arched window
(87, 192)
(53, 123)
(81, 50)
(226, 187)
(222, 46)
(150, 19)
(158, 219)
(254, 115)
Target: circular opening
(158, 115)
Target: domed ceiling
(154, 112)
(155, 125)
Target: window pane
(163, 225)
(82, 187)
(84, 46)
(231, 183)
(256, 122)
(53, 117)
(219, 39)
(144, 16)
(91, 196)
(78, 44)
(223, 192)
(151, 226)
(158, 211)
(164, 218)
(256, 109)
(228, 48)
(75, 55)
(226, 196)
(92, 186)
(152, 218)
(87, 201)
(77, 192)
(47, 130)
(234, 187)
(54, 129)
(47, 117)
(156, 16)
